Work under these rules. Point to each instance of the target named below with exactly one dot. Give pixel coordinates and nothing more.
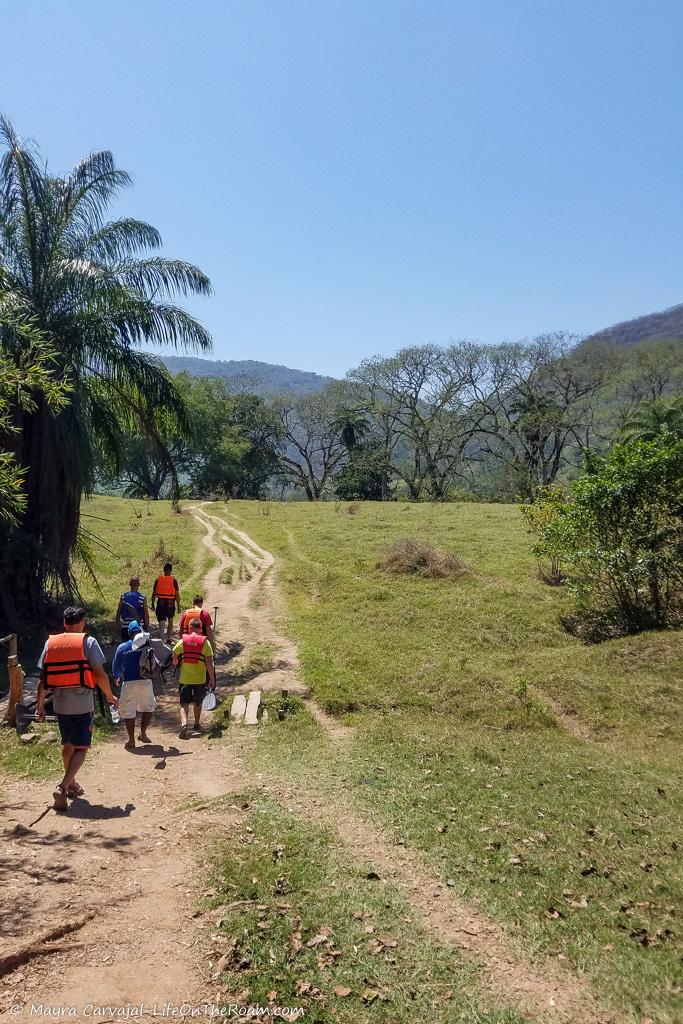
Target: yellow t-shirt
(193, 674)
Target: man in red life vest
(71, 665)
(166, 598)
(195, 655)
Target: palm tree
(351, 424)
(95, 293)
(651, 419)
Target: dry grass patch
(411, 557)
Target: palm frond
(92, 185)
(138, 321)
(117, 239)
(159, 276)
(84, 553)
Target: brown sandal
(59, 796)
(75, 790)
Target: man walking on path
(132, 606)
(195, 655)
(71, 665)
(166, 598)
(197, 612)
(137, 694)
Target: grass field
(136, 538)
(541, 777)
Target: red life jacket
(165, 587)
(65, 662)
(192, 648)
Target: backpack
(132, 603)
(149, 664)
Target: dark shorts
(193, 694)
(76, 730)
(165, 609)
(125, 635)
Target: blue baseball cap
(134, 626)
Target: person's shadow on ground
(156, 750)
(81, 808)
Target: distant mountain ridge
(268, 377)
(664, 326)
(271, 377)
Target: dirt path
(249, 610)
(130, 853)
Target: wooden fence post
(16, 678)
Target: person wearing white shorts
(137, 695)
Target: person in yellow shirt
(194, 654)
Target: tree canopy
(94, 290)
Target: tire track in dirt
(247, 612)
(540, 993)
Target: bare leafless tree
(306, 439)
(418, 401)
(535, 403)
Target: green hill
(265, 377)
(664, 326)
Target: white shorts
(137, 696)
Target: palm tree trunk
(36, 559)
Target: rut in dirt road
(246, 611)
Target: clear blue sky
(357, 175)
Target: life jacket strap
(66, 668)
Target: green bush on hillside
(544, 518)
(620, 535)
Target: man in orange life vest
(166, 598)
(195, 654)
(197, 612)
(71, 665)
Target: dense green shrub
(620, 536)
(365, 475)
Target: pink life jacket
(193, 644)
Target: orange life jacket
(187, 617)
(65, 662)
(165, 586)
(192, 648)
